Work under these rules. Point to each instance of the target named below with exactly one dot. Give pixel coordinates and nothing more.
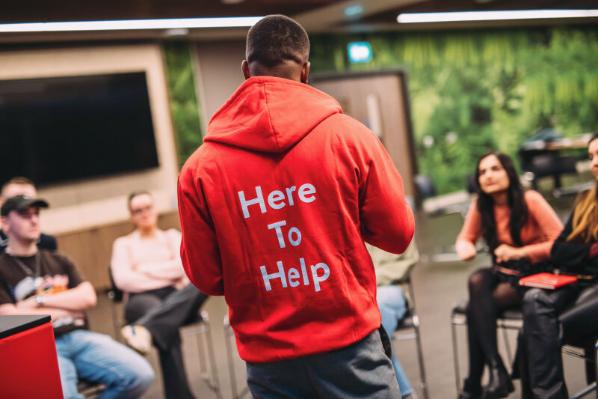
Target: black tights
(488, 298)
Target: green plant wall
(184, 105)
(472, 91)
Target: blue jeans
(98, 358)
(393, 307)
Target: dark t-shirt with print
(45, 273)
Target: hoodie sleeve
(386, 218)
(199, 246)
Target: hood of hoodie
(270, 114)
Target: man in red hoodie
(275, 207)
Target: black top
(45, 273)
(45, 241)
(573, 256)
(10, 325)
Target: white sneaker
(138, 338)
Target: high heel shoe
(499, 384)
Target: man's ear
(4, 224)
(245, 69)
(305, 72)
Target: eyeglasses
(140, 210)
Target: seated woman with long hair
(519, 228)
(568, 314)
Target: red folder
(547, 281)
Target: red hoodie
(275, 207)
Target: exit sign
(360, 52)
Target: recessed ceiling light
(132, 24)
(176, 32)
(432, 17)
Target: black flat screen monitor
(62, 129)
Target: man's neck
(17, 248)
(286, 70)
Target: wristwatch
(40, 300)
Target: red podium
(28, 362)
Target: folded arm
(69, 302)
(171, 270)
(126, 277)
(9, 309)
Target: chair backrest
(114, 292)
(407, 286)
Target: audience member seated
(392, 301)
(549, 317)
(519, 229)
(23, 186)
(146, 265)
(37, 281)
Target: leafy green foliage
(472, 91)
(184, 106)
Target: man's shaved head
(277, 46)
(275, 39)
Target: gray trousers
(362, 370)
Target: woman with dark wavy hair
(568, 314)
(519, 228)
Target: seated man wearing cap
(20, 185)
(37, 281)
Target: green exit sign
(359, 52)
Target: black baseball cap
(20, 203)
